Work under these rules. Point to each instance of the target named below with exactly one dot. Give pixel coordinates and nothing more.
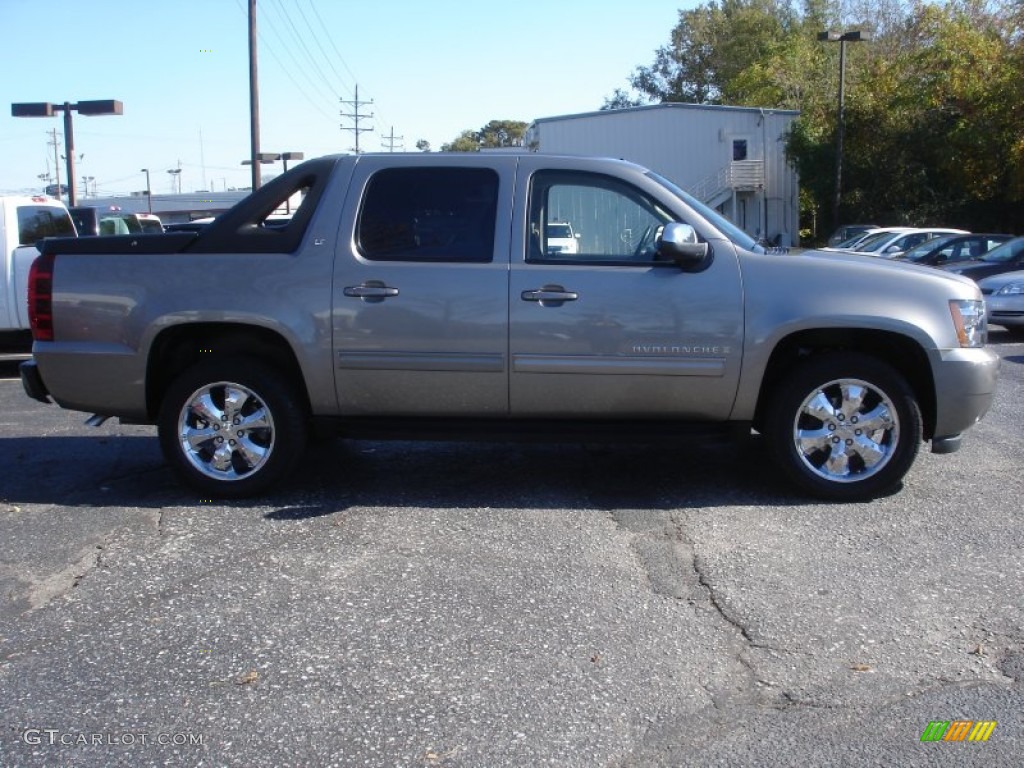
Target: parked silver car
(1004, 300)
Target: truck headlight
(969, 321)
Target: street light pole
(46, 109)
(69, 150)
(266, 158)
(175, 177)
(285, 157)
(846, 37)
(149, 189)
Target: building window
(739, 149)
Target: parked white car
(861, 237)
(889, 245)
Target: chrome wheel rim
(226, 431)
(846, 430)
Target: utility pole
(388, 142)
(356, 117)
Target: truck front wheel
(231, 428)
(844, 426)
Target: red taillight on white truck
(40, 298)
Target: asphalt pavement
(489, 605)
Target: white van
(24, 221)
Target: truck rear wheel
(232, 428)
(844, 426)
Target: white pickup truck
(24, 221)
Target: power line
(331, 41)
(316, 39)
(305, 49)
(285, 69)
(328, 58)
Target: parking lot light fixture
(854, 36)
(46, 109)
(175, 177)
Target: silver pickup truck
(418, 295)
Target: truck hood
(891, 273)
(786, 294)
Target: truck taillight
(40, 297)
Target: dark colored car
(953, 248)
(1007, 257)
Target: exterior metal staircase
(737, 176)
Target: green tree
(934, 102)
(497, 133)
(710, 46)
(935, 133)
(621, 99)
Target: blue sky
(432, 69)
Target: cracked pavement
(504, 605)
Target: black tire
(844, 426)
(243, 401)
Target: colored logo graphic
(958, 730)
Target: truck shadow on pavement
(105, 471)
(514, 475)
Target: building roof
(670, 105)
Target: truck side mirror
(679, 243)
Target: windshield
(854, 241)
(559, 230)
(1005, 252)
(874, 241)
(38, 221)
(926, 249)
(726, 227)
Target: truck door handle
(370, 290)
(556, 294)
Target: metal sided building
(732, 158)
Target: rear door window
(38, 221)
(429, 214)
